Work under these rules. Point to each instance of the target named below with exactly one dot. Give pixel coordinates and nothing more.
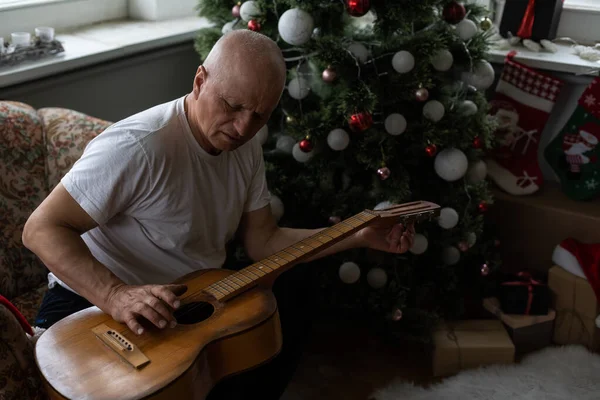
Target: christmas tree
(385, 103)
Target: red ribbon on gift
(526, 28)
(527, 281)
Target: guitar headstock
(415, 211)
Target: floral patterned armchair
(37, 147)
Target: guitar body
(90, 356)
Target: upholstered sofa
(37, 147)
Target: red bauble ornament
(384, 173)
(454, 12)
(235, 11)
(477, 143)
(306, 145)
(358, 8)
(463, 246)
(360, 122)
(329, 75)
(334, 219)
(483, 207)
(485, 270)
(422, 94)
(254, 25)
(431, 150)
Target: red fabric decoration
(588, 256)
(4, 301)
(526, 27)
(530, 283)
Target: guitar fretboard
(278, 262)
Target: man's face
(232, 110)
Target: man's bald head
(247, 50)
(235, 90)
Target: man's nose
(243, 125)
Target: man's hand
(156, 303)
(395, 239)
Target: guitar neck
(277, 263)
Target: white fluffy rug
(554, 373)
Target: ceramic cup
(20, 39)
(45, 33)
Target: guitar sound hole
(192, 313)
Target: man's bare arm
(53, 232)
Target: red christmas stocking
(522, 104)
(22, 320)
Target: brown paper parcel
(470, 344)
(576, 309)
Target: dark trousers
(267, 381)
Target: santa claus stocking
(580, 259)
(573, 154)
(522, 104)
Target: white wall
(115, 89)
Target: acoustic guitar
(228, 322)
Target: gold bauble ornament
(289, 119)
(486, 24)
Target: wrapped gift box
(469, 344)
(576, 309)
(527, 332)
(522, 294)
(538, 18)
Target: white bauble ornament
(338, 139)
(403, 62)
(349, 272)
(359, 51)
(442, 60)
(482, 76)
(434, 110)
(471, 239)
(448, 218)
(451, 164)
(298, 88)
(300, 155)
(296, 26)
(395, 124)
(383, 205)
(477, 171)
(285, 143)
(249, 10)
(262, 135)
(420, 244)
(466, 29)
(277, 207)
(450, 255)
(228, 27)
(468, 108)
(377, 278)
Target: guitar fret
(264, 266)
(364, 217)
(256, 276)
(210, 291)
(286, 256)
(232, 282)
(321, 239)
(270, 264)
(221, 285)
(236, 277)
(219, 289)
(334, 233)
(225, 282)
(258, 271)
(295, 252)
(277, 260)
(300, 246)
(311, 242)
(245, 272)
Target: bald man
(160, 194)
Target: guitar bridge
(121, 346)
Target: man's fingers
(161, 308)
(133, 324)
(404, 244)
(169, 293)
(150, 314)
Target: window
(582, 5)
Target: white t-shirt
(164, 206)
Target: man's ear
(199, 80)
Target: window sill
(103, 42)
(564, 60)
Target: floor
(350, 364)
